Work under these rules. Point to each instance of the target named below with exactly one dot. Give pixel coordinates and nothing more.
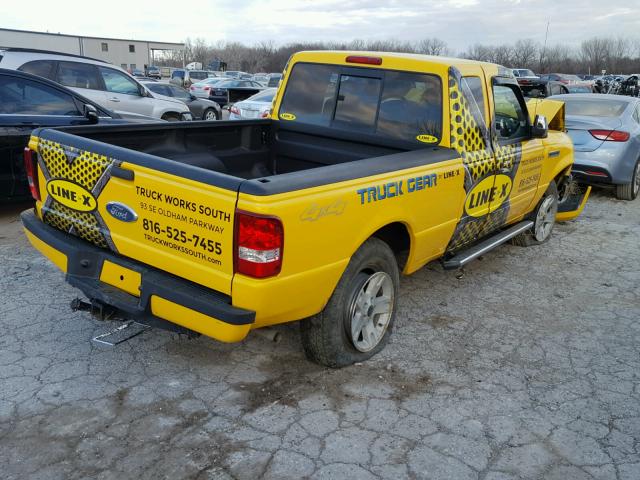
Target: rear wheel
(544, 218)
(629, 191)
(357, 320)
(210, 114)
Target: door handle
(114, 99)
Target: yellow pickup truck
(371, 165)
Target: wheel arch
(398, 236)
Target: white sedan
(257, 106)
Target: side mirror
(143, 92)
(91, 113)
(540, 127)
(193, 97)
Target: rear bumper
(611, 163)
(156, 296)
(591, 174)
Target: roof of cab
(444, 61)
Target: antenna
(544, 49)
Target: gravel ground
(526, 365)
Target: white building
(128, 54)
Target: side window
(477, 92)
(42, 68)
(117, 82)
(79, 75)
(25, 97)
(511, 121)
(179, 93)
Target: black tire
(171, 117)
(629, 191)
(327, 337)
(538, 234)
(208, 111)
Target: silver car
(257, 106)
(203, 88)
(605, 130)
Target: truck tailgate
(165, 220)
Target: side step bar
(461, 259)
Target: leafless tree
(432, 46)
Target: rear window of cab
(399, 105)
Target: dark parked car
(28, 102)
(231, 91)
(274, 79)
(200, 108)
(561, 77)
(546, 88)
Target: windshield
(177, 74)
(523, 73)
(595, 107)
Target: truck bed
(244, 149)
(249, 150)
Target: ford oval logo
(121, 212)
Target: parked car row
(28, 102)
(107, 85)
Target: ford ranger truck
(371, 165)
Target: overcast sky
(460, 23)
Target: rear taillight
(610, 135)
(235, 110)
(258, 245)
(206, 88)
(265, 114)
(192, 87)
(30, 166)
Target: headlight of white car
(186, 116)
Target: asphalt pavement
(525, 365)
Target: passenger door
(519, 157)
(123, 93)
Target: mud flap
(572, 202)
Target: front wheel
(629, 191)
(357, 320)
(544, 218)
(210, 114)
